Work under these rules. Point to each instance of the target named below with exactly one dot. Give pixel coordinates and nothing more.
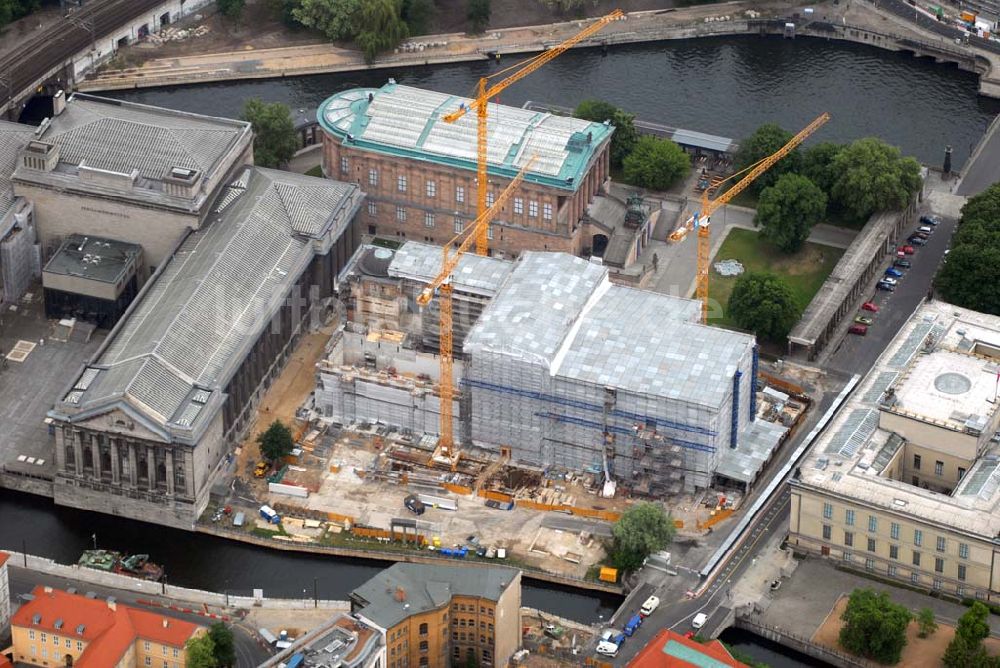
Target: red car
(909, 250)
(860, 330)
(869, 306)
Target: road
(248, 653)
(983, 168)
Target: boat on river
(110, 561)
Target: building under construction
(560, 367)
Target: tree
(276, 442)
(641, 530)
(787, 211)
(656, 163)
(11, 10)
(817, 164)
(971, 278)
(966, 648)
(274, 141)
(478, 14)
(223, 646)
(200, 652)
(925, 620)
(382, 27)
(624, 139)
(418, 14)
(763, 303)
(766, 140)
(336, 19)
(232, 9)
(873, 176)
(874, 626)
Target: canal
(724, 86)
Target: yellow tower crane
(701, 219)
(442, 286)
(486, 92)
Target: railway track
(56, 44)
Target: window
(45, 651)
(456, 652)
(916, 462)
(432, 188)
(894, 551)
(401, 214)
(428, 220)
(848, 539)
(826, 532)
(44, 637)
(533, 209)
(79, 645)
(848, 556)
(519, 205)
(489, 231)
(891, 570)
(827, 510)
(31, 634)
(177, 653)
(961, 571)
(963, 550)
(915, 578)
(454, 636)
(547, 211)
(145, 645)
(938, 565)
(872, 523)
(869, 564)
(894, 531)
(423, 645)
(55, 640)
(344, 166)
(459, 194)
(916, 558)
(373, 177)
(937, 583)
(458, 226)
(960, 591)
(961, 472)
(871, 544)
(918, 537)
(423, 629)
(372, 208)
(849, 518)
(490, 199)
(401, 183)
(938, 468)
(423, 661)
(940, 544)
(148, 661)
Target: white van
(926, 229)
(699, 620)
(651, 604)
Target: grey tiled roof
(121, 136)
(13, 138)
(564, 312)
(177, 349)
(409, 589)
(474, 273)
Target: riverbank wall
(407, 556)
(161, 594)
(803, 645)
(641, 27)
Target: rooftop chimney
(58, 103)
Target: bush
(763, 303)
(656, 163)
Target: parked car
(860, 330)
(890, 280)
(605, 648)
(633, 624)
(908, 250)
(917, 241)
(902, 263)
(885, 287)
(924, 236)
(893, 272)
(863, 320)
(871, 307)
(699, 620)
(933, 221)
(651, 604)
(926, 229)
(414, 505)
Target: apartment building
(905, 481)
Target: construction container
(608, 574)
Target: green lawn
(805, 271)
(315, 171)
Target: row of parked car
(611, 640)
(890, 280)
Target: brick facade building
(419, 173)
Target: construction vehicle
(260, 470)
(700, 220)
(486, 92)
(441, 286)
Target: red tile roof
(661, 652)
(108, 632)
(5, 662)
(3, 560)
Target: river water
(723, 86)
